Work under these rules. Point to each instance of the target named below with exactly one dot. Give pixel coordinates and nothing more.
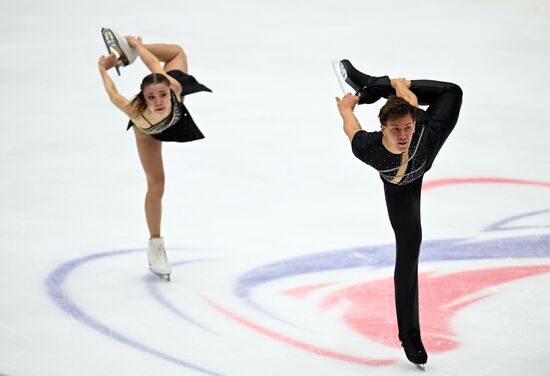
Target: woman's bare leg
(150, 154)
(172, 55)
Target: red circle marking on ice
(439, 328)
(300, 344)
(480, 180)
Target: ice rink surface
(279, 238)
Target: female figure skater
(402, 152)
(156, 114)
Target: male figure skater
(402, 152)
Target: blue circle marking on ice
(56, 289)
(378, 256)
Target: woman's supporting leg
(150, 154)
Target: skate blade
(165, 277)
(342, 79)
(338, 73)
(113, 41)
(421, 367)
(114, 48)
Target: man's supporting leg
(403, 204)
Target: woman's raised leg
(172, 55)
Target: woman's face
(157, 98)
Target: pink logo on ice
(441, 296)
(367, 307)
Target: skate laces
(111, 41)
(160, 253)
(116, 50)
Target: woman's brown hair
(138, 103)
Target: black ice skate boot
(365, 86)
(415, 351)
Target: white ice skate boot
(158, 262)
(118, 45)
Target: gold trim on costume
(401, 172)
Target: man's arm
(346, 106)
(402, 89)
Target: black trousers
(403, 201)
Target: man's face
(397, 134)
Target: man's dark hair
(395, 108)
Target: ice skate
(341, 75)
(118, 45)
(359, 82)
(158, 262)
(415, 352)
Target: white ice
(274, 179)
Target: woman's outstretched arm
(121, 102)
